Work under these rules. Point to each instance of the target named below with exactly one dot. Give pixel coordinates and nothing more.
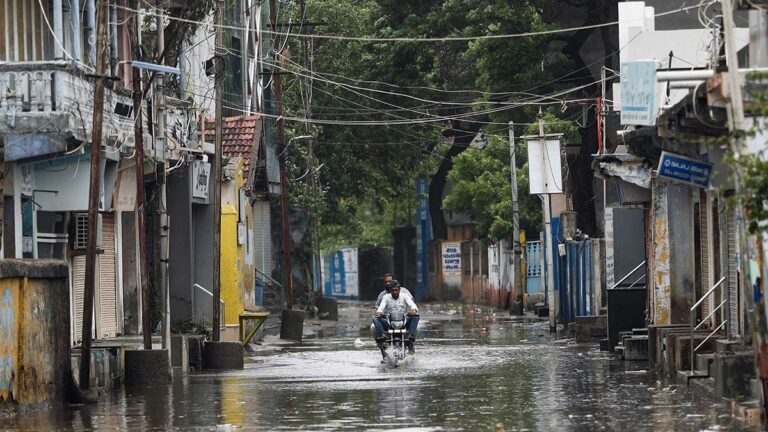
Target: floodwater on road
(472, 371)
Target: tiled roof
(237, 136)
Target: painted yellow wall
(231, 275)
(236, 268)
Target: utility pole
(138, 134)
(517, 277)
(282, 156)
(311, 162)
(219, 88)
(548, 252)
(161, 143)
(93, 196)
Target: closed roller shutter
(107, 280)
(733, 275)
(704, 257)
(262, 233)
(78, 288)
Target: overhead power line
(424, 39)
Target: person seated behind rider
(388, 278)
(395, 301)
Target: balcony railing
(55, 96)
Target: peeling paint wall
(34, 333)
(661, 259)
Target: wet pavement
(472, 371)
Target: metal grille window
(81, 231)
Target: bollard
(292, 324)
(222, 355)
(146, 367)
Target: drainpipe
(77, 37)
(58, 30)
(90, 23)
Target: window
(81, 231)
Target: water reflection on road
(472, 370)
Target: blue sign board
(684, 169)
(638, 93)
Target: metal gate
(577, 294)
(533, 267)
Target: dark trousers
(382, 324)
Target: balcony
(44, 105)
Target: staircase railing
(208, 294)
(711, 314)
(626, 276)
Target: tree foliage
(481, 181)
(368, 171)
(481, 187)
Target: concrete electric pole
(548, 252)
(517, 277)
(219, 88)
(163, 240)
(93, 195)
(138, 134)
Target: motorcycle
(398, 346)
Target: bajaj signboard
(638, 93)
(685, 170)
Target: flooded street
(471, 371)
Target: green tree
(368, 171)
(481, 186)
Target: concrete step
(727, 346)
(704, 362)
(636, 348)
(640, 331)
(685, 377)
(732, 374)
(702, 388)
(657, 338)
(678, 351)
(589, 328)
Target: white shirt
(401, 304)
(403, 291)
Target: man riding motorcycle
(389, 281)
(395, 301)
